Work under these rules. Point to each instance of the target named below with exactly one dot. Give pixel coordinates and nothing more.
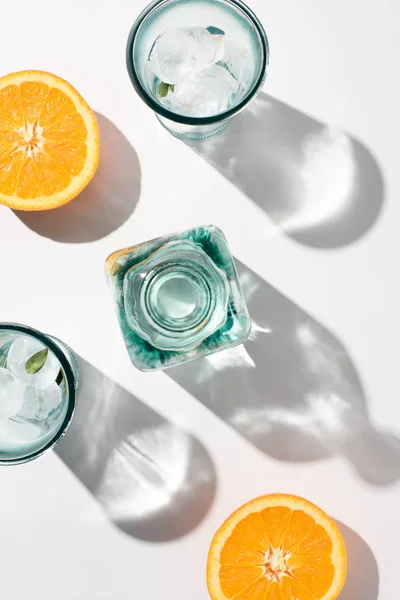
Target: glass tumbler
(245, 58)
(39, 376)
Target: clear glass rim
(70, 379)
(185, 120)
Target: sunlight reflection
(305, 335)
(234, 358)
(323, 360)
(248, 284)
(327, 179)
(256, 329)
(323, 416)
(327, 411)
(97, 418)
(144, 472)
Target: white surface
(336, 61)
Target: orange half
(49, 141)
(277, 547)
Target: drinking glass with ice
(38, 380)
(197, 63)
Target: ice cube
(38, 404)
(28, 408)
(237, 60)
(205, 93)
(22, 349)
(179, 52)
(47, 400)
(10, 394)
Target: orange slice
(49, 141)
(277, 547)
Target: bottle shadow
(105, 204)
(292, 389)
(322, 187)
(362, 570)
(154, 481)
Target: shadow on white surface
(106, 203)
(362, 581)
(292, 389)
(155, 481)
(321, 186)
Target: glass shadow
(292, 389)
(320, 185)
(155, 481)
(105, 204)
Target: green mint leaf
(163, 89)
(59, 377)
(172, 87)
(36, 362)
(215, 30)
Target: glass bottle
(178, 298)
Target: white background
(308, 197)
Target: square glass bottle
(178, 298)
